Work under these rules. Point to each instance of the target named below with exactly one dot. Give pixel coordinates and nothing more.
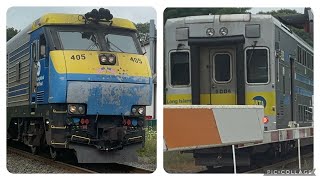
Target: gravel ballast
(19, 164)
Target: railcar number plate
(136, 60)
(223, 91)
(78, 57)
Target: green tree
(281, 12)
(285, 12)
(182, 12)
(11, 32)
(143, 27)
(143, 32)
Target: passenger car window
(222, 67)
(179, 68)
(257, 65)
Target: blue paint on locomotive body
(57, 85)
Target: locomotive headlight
(103, 58)
(81, 109)
(210, 32)
(107, 59)
(72, 109)
(138, 110)
(141, 110)
(223, 31)
(111, 59)
(76, 109)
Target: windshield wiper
(109, 42)
(251, 55)
(94, 44)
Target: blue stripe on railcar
(21, 86)
(304, 79)
(18, 92)
(302, 91)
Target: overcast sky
(20, 17)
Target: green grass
(178, 162)
(149, 152)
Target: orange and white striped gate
(189, 127)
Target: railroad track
(276, 164)
(281, 164)
(114, 168)
(68, 167)
(79, 168)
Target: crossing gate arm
(282, 135)
(189, 127)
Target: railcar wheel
(53, 153)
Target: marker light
(128, 122)
(265, 120)
(140, 123)
(223, 31)
(210, 32)
(134, 122)
(86, 121)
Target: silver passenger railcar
(240, 59)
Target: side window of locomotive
(34, 51)
(42, 51)
(257, 65)
(121, 43)
(222, 66)
(78, 41)
(179, 68)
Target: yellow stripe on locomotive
(87, 62)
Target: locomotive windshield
(121, 43)
(78, 40)
(98, 39)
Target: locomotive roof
(76, 19)
(234, 18)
